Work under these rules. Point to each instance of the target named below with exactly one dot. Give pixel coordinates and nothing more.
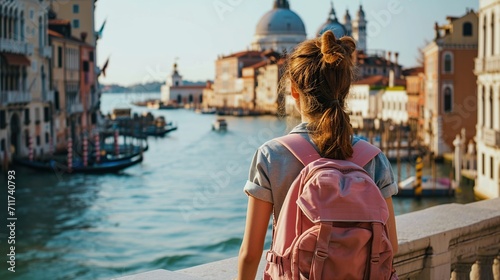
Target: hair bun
(335, 50)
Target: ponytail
(322, 71)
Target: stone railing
(14, 97)
(448, 241)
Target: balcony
(448, 241)
(491, 137)
(487, 65)
(48, 96)
(14, 97)
(17, 47)
(45, 51)
(75, 108)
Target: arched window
(485, 37)
(493, 34)
(179, 99)
(448, 62)
(491, 108)
(467, 29)
(447, 99)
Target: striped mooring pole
(85, 150)
(30, 143)
(117, 147)
(97, 148)
(70, 154)
(418, 177)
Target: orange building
(450, 83)
(416, 99)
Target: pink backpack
(333, 221)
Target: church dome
(280, 21)
(333, 24)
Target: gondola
(105, 166)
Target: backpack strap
(299, 147)
(305, 152)
(363, 152)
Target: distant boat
(220, 124)
(430, 187)
(106, 166)
(206, 111)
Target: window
(38, 140)
(492, 34)
(491, 108)
(2, 146)
(91, 56)
(46, 114)
(76, 9)
(3, 119)
(59, 57)
(491, 167)
(467, 29)
(47, 137)
(448, 62)
(27, 116)
(448, 100)
(483, 163)
(76, 23)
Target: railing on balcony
(14, 97)
(491, 137)
(75, 108)
(14, 46)
(451, 241)
(45, 51)
(48, 96)
(489, 64)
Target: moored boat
(430, 187)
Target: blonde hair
(322, 70)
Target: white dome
(280, 22)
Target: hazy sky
(143, 38)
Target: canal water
(183, 206)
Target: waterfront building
(377, 98)
(488, 110)
(25, 93)
(174, 91)
(229, 83)
(82, 101)
(280, 29)
(415, 90)
(377, 63)
(450, 84)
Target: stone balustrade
(451, 241)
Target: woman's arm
(391, 225)
(258, 214)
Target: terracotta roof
(413, 71)
(245, 53)
(55, 34)
(59, 21)
(379, 80)
(258, 64)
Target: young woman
(321, 71)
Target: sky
(143, 39)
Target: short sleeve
(258, 184)
(380, 170)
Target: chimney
(83, 36)
(389, 57)
(391, 78)
(396, 55)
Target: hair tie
(334, 102)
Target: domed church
(356, 28)
(279, 29)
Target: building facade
(450, 90)
(175, 92)
(25, 93)
(487, 70)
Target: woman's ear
(295, 93)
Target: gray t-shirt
(274, 168)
